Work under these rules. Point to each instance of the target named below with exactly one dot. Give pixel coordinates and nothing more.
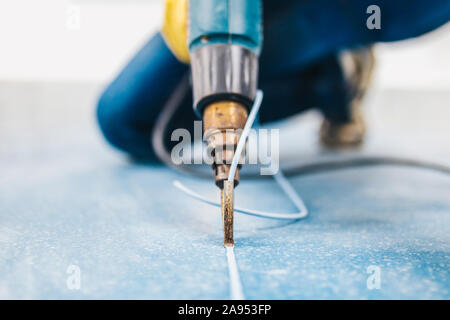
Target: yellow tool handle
(175, 28)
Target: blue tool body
(225, 22)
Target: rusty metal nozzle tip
(227, 202)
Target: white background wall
(38, 43)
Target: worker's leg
(320, 85)
(297, 33)
(301, 33)
(128, 108)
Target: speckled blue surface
(66, 199)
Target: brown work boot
(358, 67)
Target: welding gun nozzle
(227, 201)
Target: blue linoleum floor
(67, 199)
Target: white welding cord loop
(292, 194)
(248, 125)
(235, 280)
(279, 177)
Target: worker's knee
(121, 132)
(107, 120)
